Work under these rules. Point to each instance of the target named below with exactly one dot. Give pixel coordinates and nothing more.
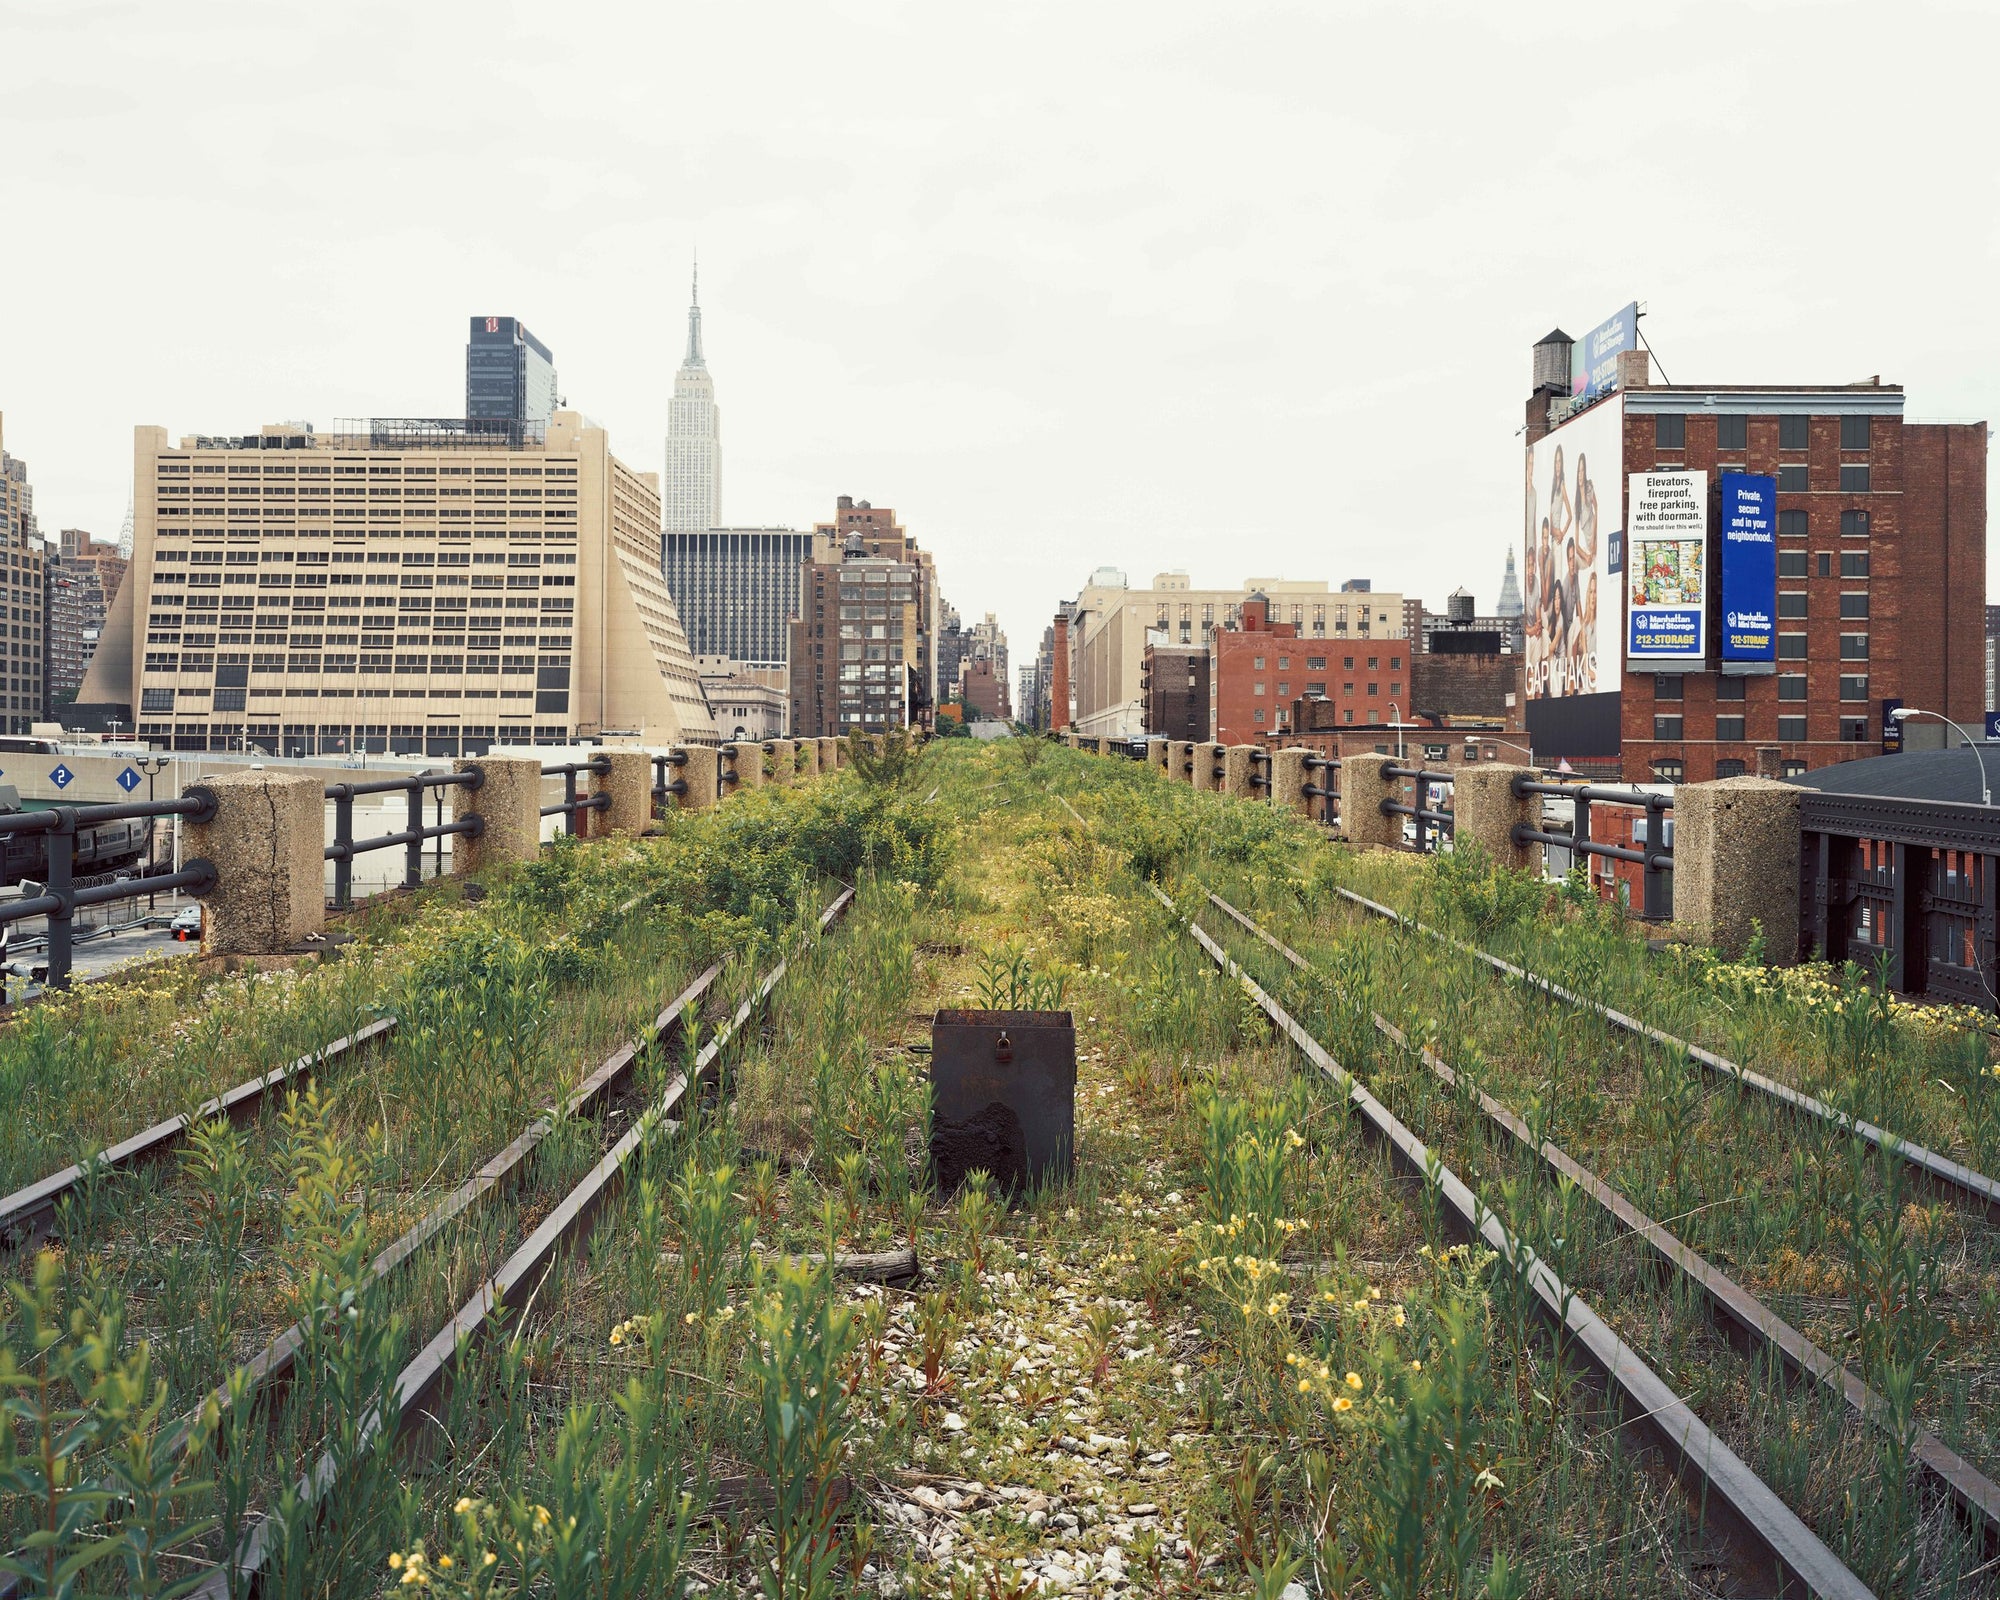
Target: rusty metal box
(1003, 1096)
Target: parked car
(186, 923)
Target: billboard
(1749, 570)
(1571, 547)
(1593, 359)
(1667, 545)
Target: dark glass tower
(509, 374)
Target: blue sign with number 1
(128, 780)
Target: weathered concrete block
(1364, 785)
(1180, 761)
(268, 844)
(1238, 766)
(1485, 809)
(630, 785)
(1159, 754)
(509, 802)
(1736, 861)
(784, 761)
(808, 758)
(1208, 766)
(843, 756)
(702, 773)
(1107, 747)
(742, 767)
(1288, 781)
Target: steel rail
(1977, 1496)
(1714, 1475)
(25, 1213)
(1954, 1178)
(514, 1282)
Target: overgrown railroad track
(1904, 1316)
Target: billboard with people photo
(1573, 556)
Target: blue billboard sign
(1593, 359)
(1749, 567)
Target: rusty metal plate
(1003, 1096)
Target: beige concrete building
(415, 586)
(1108, 636)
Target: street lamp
(1901, 713)
(1396, 717)
(152, 766)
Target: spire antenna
(693, 357)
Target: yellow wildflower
(1343, 1404)
(1353, 1380)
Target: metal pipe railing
(412, 838)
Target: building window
(1792, 603)
(1853, 688)
(156, 699)
(1854, 524)
(1826, 563)
(1257, 688)
(1729, 767)
(1854, 647)
(1791, 686)
(1794, 769)
(1854, 730)
(1792, 524)
(1315, 663)
(1729, 727)
(1669, 771)
(1792, 728)
(1854, 607)
(1791, 563)
(1854, 480)
(1791, 647)
(1668, 686)
(1854, 563)
(1375, 688)
(1792, 480)
(1666, 727)
(1670, 430)
(1730, 688)
(1258, 664)
(229, 699)
(1258, 714)
(1732, 433)
(1854, 433)
(1793, 432)
(1348, 662)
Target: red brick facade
(1258, 668)
(1881, 591)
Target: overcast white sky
(1246, 289)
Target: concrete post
(841, 755)
(630, 785)
(1288, 781)
(1207, 757)
(702, 773)
(742, 762)
(1736, 861)
(1364, 785)
(1180, 755)
(1485, 809)
(1159, 753)
(808, 758)
(1237, 768)
(784, 762)
(508, 802)
(268, 845)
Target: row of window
(1732, 432)
(1799, 563)
(1792, 729)
(1318, 663)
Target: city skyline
(1256, 334)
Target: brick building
(1175, 679)
(984, 690)
(860, 651)
(1881, 563)
(1257, 668)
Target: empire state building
(693, 498)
